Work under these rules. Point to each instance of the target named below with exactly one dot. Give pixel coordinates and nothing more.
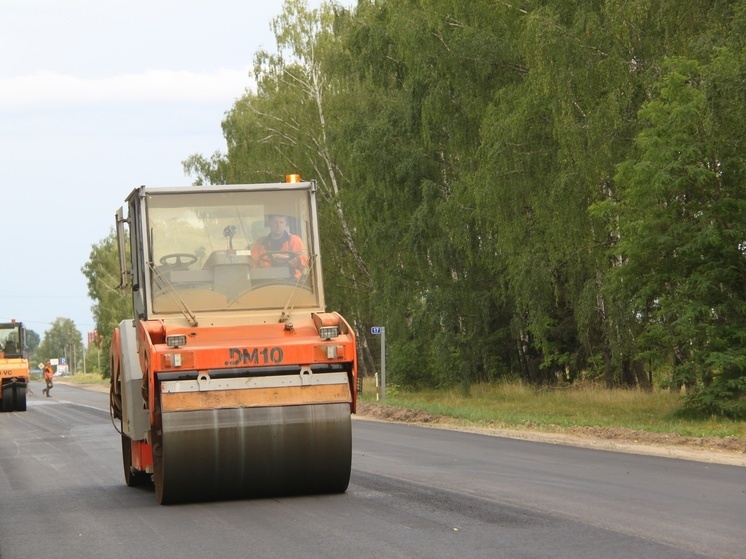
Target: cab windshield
(230, 251)
(11, 341)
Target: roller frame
(204, 383)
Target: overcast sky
(98, 97)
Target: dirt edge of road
(730, 450)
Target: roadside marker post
(381, 331)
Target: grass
(515, 405)
(85, 378)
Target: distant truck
(14, 369)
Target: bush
(724, 398)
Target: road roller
(14, 367)
(231, 380)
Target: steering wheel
(271, 257)
(175, 260)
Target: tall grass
(516, 405)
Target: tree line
(547, 190)
(61, 340)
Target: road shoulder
(729, 451)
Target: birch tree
(290, 123)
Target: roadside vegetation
(547, 191)
(516, 405)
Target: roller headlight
(176, 341)
(328, 332)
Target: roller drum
(215, 454)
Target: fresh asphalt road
(415, 492)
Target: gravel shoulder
(730, 450)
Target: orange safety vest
(286, 243)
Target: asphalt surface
(415, 492)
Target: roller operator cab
(14, 369)
(230, 380)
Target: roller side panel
(135, 416)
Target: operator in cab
(280, 248)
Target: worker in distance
(48, 374)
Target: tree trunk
(608, 368)
(628, 376)
(643, 381)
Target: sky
(98, 97)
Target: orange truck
(231, 379)
(14, 370)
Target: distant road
(415, 492)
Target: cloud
(46, 89)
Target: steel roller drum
(253, 452)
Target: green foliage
(111, 305)
(682, 241)
(723, 399)
(62, 340)
(32, 341)
(548, 191)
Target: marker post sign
(381, 331)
